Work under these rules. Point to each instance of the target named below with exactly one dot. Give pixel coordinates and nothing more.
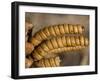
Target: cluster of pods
(45, 46)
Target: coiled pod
(28, 62)
(28, 48)
(56, 30)
(50, 62)
(59, 44)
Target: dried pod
(28, 62)
(50, 62)
(59, 44)
(28, 26)
(56, 30)
(28, 48)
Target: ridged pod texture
(50, 62)
(56, 30)
(60, 44)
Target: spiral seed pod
(28, 26)
(28, 62)
(56, 30)
(28, 48)
(50, 62)
(60, 44)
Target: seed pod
(28, 48)
(28, 26)
(56, 30)
(50, 62)
(28, 62)
(63, 43)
